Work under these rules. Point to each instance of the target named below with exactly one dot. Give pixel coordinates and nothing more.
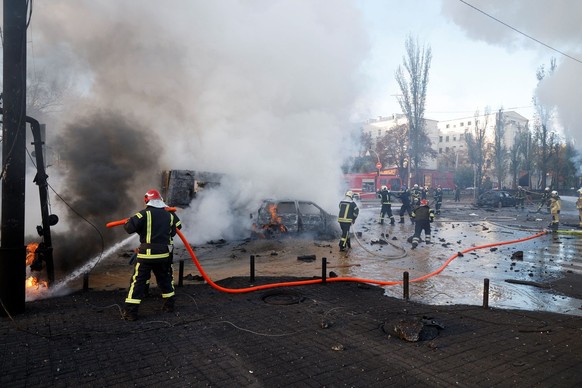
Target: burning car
(289, 217)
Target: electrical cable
(520, 32)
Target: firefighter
(438, 199)
(520, 197)
(385, 196)
(555, 205)
(415, 195)
(424, 192)
(579, 207)
(348, 212)
(545, 200)
(405, 208)
(423, 215)
(156, 228)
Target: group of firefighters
(415, 204)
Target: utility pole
(13, 173)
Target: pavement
(337, 334)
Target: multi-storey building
(448, 136)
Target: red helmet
(152, 194)
(423, 202)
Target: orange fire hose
(339, 279)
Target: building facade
(448, 137)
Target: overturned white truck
(180, 187)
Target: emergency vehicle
(365, 185)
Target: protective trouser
(344, 242)
(386, 210)
(419, 226)
(163, 271)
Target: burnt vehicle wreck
(293, 218)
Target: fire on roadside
(33, 281)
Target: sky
(271, 93)
(476, 61)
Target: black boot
(169, 304)
(129, 313)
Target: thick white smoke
(555, 23)
(259, 90)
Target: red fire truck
(365, 185)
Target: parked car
(496, 198)
(290, 217)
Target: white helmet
(554, 193)
(547, 189)
(519, 187)
(384, 188)
(415, 186)
(350, 194)
(580, 191)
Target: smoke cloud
(555, 24)
(261, 91)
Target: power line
(520, 32)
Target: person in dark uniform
(519, 197)
(405, 208)
(457, 194)
(348, 212)
(385, 196)
(438, 199)
(545, 200)
(423, 215)
(156, 228)
(415, 195)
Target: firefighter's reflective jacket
(423, 213)
(348, 211)
(385, 197)
(156, 228)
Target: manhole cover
(281, 297)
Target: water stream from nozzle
(59, 288)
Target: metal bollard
(405, 286)
(323, 270)
(486, 293)
(181, 273)
(86, 281)
(252, 279)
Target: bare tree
(515, 156)
(477, 146)
(499, 148)
(393, 149)
(412, 77)
(542, 131)
(527, 150)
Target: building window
(447, 139)
(454, 138)
(379, 132)
(468, 123)
(448, 125)
(440, 150)
(462, 124)
(440, 139)
(446, 149)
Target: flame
(30, 253)
(32, 282)
(275, 219)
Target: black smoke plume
(110, 163)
